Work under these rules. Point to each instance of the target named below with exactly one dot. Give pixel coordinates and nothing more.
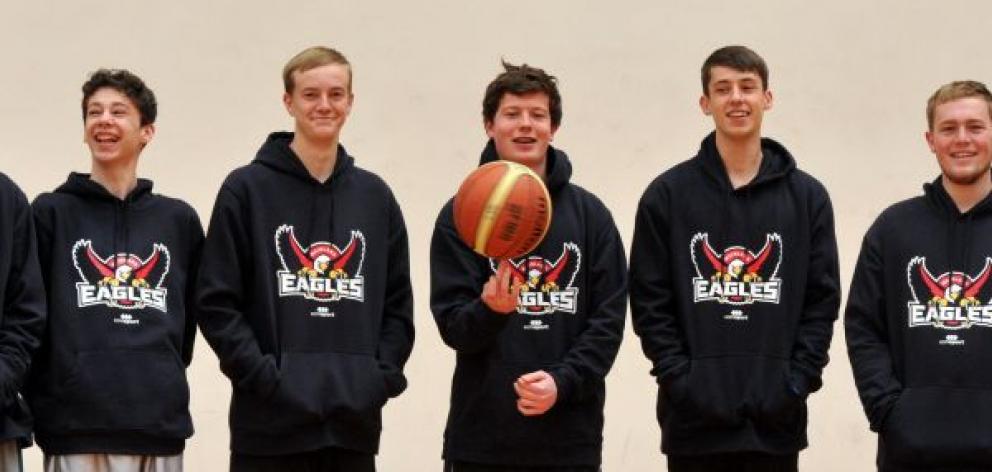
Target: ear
(554, 129)
(928, 135)
(287, 99)
(704, 104)
(768, 99)
(489, 127)
(146, 133)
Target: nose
(324, 103)
(736, 94)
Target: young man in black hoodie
(305, 289)
(108, 388)
(734, 285)
(22, 318)
(535, 336)
(920, 307)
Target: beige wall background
(850, 80)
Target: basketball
(502, 210)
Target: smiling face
(320, 101)
(112, 127)
(737, 101)
(961, 138)
(521, 129)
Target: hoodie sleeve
(592, 353)
(466, 324)
(866, 331)
(195, 254)
(221, 296)
(652, 301)
(24, 312)
(397, 332)
(820, 303)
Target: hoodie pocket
(704, 397)
(349, 389)
(933, 426)
(125, 389)
(724, 392)
(777, 406)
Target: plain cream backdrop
(850, 80)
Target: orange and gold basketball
(502, 210)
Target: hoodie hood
(938, 197)
(83, 186)
(776, 163)
(960, 226)
(276, 154)
(559, 169)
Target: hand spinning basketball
(500, 293)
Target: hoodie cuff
(564, 387)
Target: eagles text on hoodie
(305, 297)
(569, 322)
(734, 293)
(919, 333)
(111, 376)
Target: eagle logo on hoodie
(952, 300)
(736, 276)
(121, 280)
(321, 271)
(546, 286)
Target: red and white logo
(547, 286)
(121, 280)
(322, 271)
(736, 276)
(953, 300)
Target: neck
(119, 179)
(318, 157)
(966, 196)
(741, 158)
(541, 169)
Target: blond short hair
(312, 58)
(956, 91)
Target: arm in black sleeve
(466, 324)
(652, 300)
(592, 353)
(221, 298)
(820, 303)
(192, 275)
(397, 332)
(23, 320)
(866, 330)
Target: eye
(93, 113)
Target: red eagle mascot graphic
(121, 270)
(537, 274)
(320, 260)
(949, 289)
(736, 264)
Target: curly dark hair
(521, 80)
(126, 83)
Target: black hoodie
(734, 294)
(111, 376)
(574, 338)
(22, 308)
(918, 333)
(305, 297)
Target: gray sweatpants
(113, 463)
(10, 456)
